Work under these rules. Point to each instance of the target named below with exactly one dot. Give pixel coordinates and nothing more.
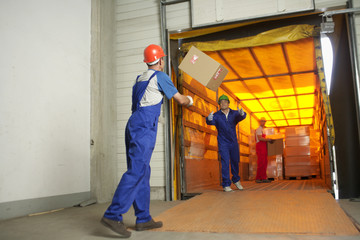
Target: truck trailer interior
(276, 71)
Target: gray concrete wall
(103, 173)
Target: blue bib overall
(228, 144)
(140, 138)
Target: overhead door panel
(206, 12)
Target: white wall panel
(134, 6)
(135, 43)
(124, 38)
(178, 16)
(129, 53)
(143, 10)
(209, 12)
(319, 4)
(138, 25)
(126, 78)
(131, 68)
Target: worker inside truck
(225, 121)
(261, 152)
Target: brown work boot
(148, 225)
(116, 226)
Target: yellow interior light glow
(253, 105)
(282, 85)
(291, 114)
(306, 121)
(244, 96)
(280, 123)
(270, 124)
(271, 59)
(304, 83)
(262, 114)
(301, 54)
(278, 115)
(270, 104)
(239, 90)
(306, 101)
(259, 87)
(294, 122)
(288, 102)
(305, 113)
(242, 62)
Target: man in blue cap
(225, 121)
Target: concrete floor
(82, 223)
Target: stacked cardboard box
(275, 152)
(298, 160)
(275, 167)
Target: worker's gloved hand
(211, 116)
(191, 101)
(241, 111)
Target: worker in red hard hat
(261, 152)
(225, 121)
(140, 138)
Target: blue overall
(228, 144)
(140, 137)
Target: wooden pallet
(300, 177)
(276, 178)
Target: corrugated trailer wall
(138, 24)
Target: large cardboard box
(275, 167)
(297, 141)
(297, 131)
(297, 151)
(275, 148)
(302, 171)
(297, 160)
(203, 68)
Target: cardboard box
(297, 141)
(297, 131)
(297, 151)
(203, 68)
(275, 148)
(297, 160)
(302, 171)
(275, 158)
(275, 167)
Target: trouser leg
(225, 161)
(234, 162)
(134, 184)
(142, 199)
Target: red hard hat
(152, 53)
